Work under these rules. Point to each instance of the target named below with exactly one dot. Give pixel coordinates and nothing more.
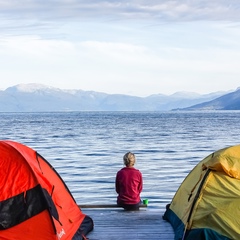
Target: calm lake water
(86, 148)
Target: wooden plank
(106, 206)
(118, 224)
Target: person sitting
(129, 184)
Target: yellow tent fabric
(209, 197)
(227, 160)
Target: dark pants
(130, 207)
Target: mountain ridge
(229, 101)
(34, 97)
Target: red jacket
(129, 185)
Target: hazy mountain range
(230, 101)
(39, 98)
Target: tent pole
(185, 229)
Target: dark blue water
(86, 148)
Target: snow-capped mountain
(38, 97)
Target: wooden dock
(118, 224)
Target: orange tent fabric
(35, 203)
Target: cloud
(116, 51)
(98, 45)
(165, 10)
(48, 18)
(35, 47)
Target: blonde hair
(129, 159)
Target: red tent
(35, 203)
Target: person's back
(129, 184)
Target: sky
(134, 47)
